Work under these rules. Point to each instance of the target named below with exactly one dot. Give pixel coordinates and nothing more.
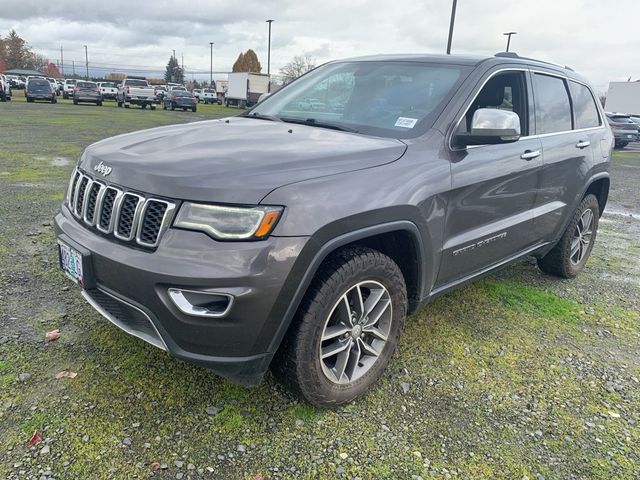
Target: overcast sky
(595, 37)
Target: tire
(184, 109)
(164, 107)
(560, 261)
(144, 106)
(126, 105)
(3, 97)
(193, 109)
(98, 104)
(54, 100)
(298, 363)
(29, 100)
(65, 96)
(75, 101)
(173, 107)
(152, 107)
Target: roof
(23, 71)
(469, 60)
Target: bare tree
(299, 65)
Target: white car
(196, 93)
(5, 89)
(69, 86)
(54, 85)
(209, 95)
(108, 90)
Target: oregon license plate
(71, 263)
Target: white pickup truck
(136, 91)
(108, 90)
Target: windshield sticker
(406, 122)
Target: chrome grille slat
(126, 215)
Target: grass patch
(530, 300)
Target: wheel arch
(400, 240)
(599, 186)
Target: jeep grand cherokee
(302, 239)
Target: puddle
(60, 162)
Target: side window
(553, 107)
(504, 91)
(584, 106)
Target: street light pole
(211, 67)
(508, 35)
(86, 60)
(269, 56)
(451, 23)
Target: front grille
(126, 215)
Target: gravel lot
(517, 376)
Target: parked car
(136, 91)
(624, 129)
(5, 88)
(108, 90)
(177, 99)
(15, 82)
(69, 86)
(87, 92)
(196, 94)
(209, 95)
(39, 89)
(303, 240)
(54, 85)
(161, 91)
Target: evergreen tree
(173, 73)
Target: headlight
(228, 223)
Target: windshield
(137, 83)
(181, 93)
(391, 99)
(108, 85)
(208, 90)
(34, 83)
(87, 85)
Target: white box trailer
(623, 97)
(244, 88)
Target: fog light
(201, 304)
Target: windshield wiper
(260, 116)
(315, 123)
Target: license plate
(630, 136)
(71, 263)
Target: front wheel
(571, 253)
(346, 329)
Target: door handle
(583, 144)
(530, 154)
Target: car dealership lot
(517, 375)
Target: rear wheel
(346, 328)
(99, 104)
(75, 101)
(193, 109)
(152, 106)
(571, 253)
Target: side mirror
(263, 96)
(491, 126)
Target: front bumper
(131, 285)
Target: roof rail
(515, 55)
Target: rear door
(489, 213)
(570, 128)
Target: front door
(489, 213)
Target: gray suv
(301, 239)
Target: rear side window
(553, 108)
(584, 106)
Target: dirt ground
(516, 376)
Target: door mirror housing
(491, 126)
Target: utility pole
(508, 35)
(211, 66)
(269, 56)
(86, 60)
(73, 64)
(451, 23)
(62, 60)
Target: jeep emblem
(103, 169)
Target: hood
(235, 160)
